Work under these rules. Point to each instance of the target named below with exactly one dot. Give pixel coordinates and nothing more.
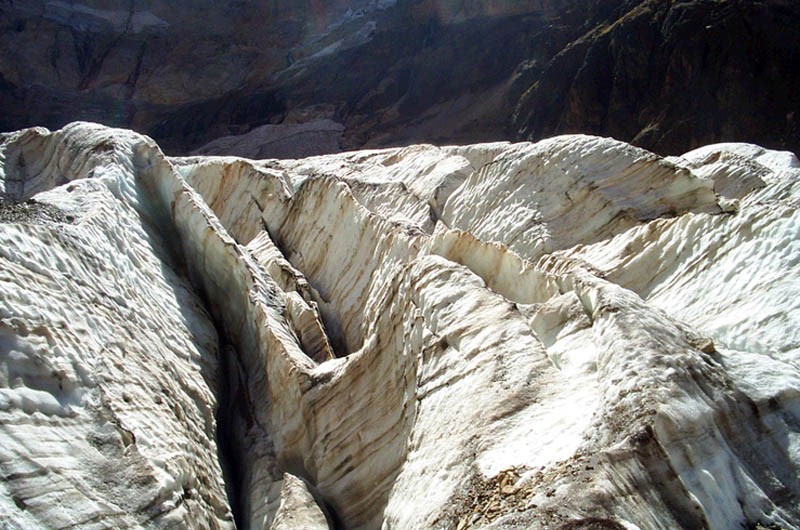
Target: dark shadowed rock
(670, 76)
(664, 75)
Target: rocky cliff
(574, 333)
(673, 75)
(301, 78)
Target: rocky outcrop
(284, 79)
(187, 71)
(670, 76)
(562, 334)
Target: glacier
(573, 333)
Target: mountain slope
(667, 76)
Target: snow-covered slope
(569, 334)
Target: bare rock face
(670, 76)
(574, 333)
(139, 63)
(667, 76)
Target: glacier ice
(545, 335)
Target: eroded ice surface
(491, 336)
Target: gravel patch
(32, 212)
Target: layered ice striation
(563, 334)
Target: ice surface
(499, 336)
